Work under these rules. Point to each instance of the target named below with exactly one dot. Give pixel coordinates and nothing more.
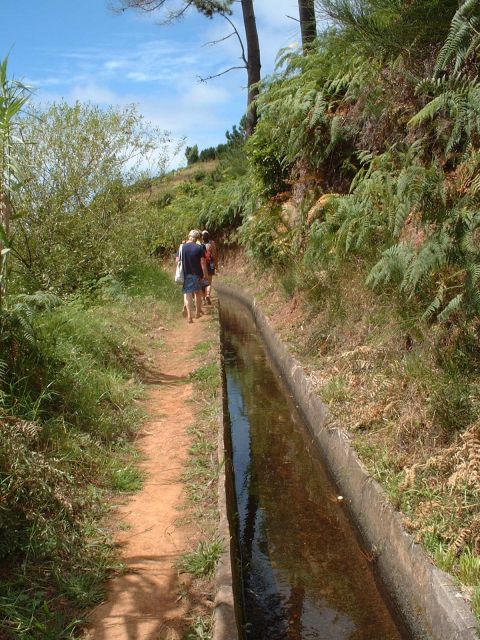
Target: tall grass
(67, 412)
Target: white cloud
(91, 92)
(205, 95)
(138, 76)
(160, 74)
(111, 65)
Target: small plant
(476, 601)
(206, 378)
(198, 176)
(335, 390)
(201, 629)
(202, 562)
(202, 348)
(469, 568)
(127, 479)
(444, 557)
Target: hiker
(211, 260)
(177, 260)
(194, 270)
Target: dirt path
(151, 601)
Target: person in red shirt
(211, 259)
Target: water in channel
(301, 571)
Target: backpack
(209, 257)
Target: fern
(452, 307)
(391, 267)
(433, 254)
(436, 304)
(17, 333)
(463, 38)
(3, 371)
(458, 100)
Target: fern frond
(428, 112)
(391, 266)
(452, 307)
(463, 38)
(475, 185)
(401, 214)
(436, 304)
(433, 254)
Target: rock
(290, 214)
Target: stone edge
(225, 622)
(432, 604)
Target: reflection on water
(302, 572)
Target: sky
(82, 50)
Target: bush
(67, 404)
(76, 216)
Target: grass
(202, 348)
(335, 390)
(476, 599)
(69, 413)
(206, 379)
(202, 468)
(126, 479)
(202, 562)
(201, 629)
(200, 478)
(469, 568)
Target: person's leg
(198, 303)
(209, 290)
(188, 303)
(198, 307)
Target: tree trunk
(253, 64)
(308, 23)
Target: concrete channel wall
(431, 602)
(225, 620)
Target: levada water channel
(301, 570)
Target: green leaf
(3, 236)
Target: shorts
(192, 283)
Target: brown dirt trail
(151, 601)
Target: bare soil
(151, 601)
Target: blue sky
(81, 50)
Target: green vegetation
(68, 413)
(202, 469)
(77, 222)
(200, 477)
(201, 629)
(357, 199)
(78, 292)
(202, 562)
